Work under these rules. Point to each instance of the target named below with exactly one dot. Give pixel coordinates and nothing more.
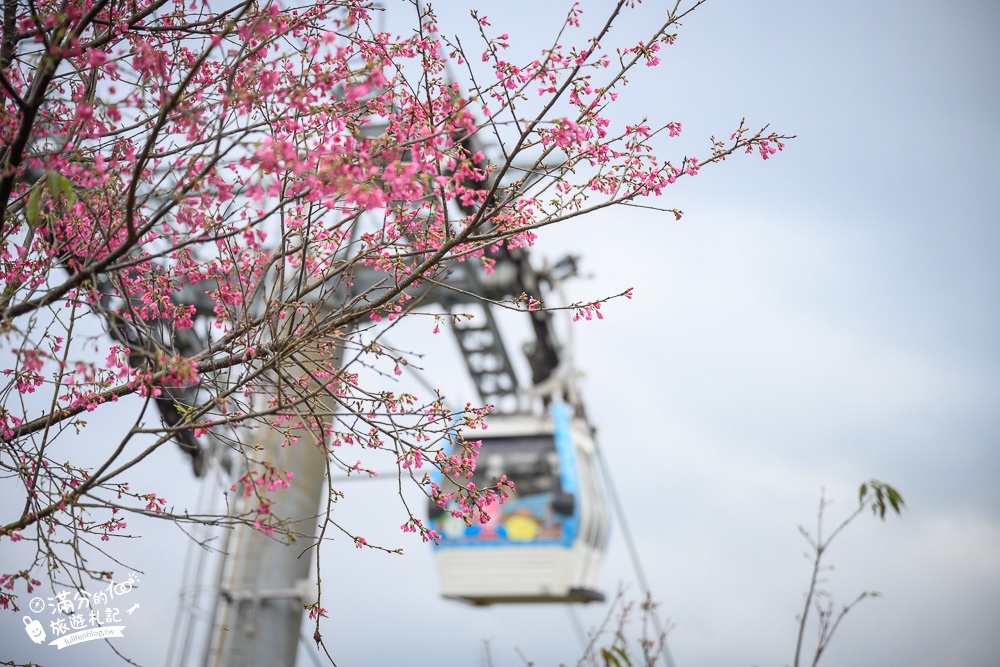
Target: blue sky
(825, 317)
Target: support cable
(633, 551)
(574, 620)
(640, 572)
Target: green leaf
(624, 656)
(31, 209)
(59, 184)
(895, 499)
(67, 189)
(885, 497)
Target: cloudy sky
(813, 321)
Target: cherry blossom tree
(213, 209)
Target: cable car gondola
(543, 544)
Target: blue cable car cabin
(545, 543)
